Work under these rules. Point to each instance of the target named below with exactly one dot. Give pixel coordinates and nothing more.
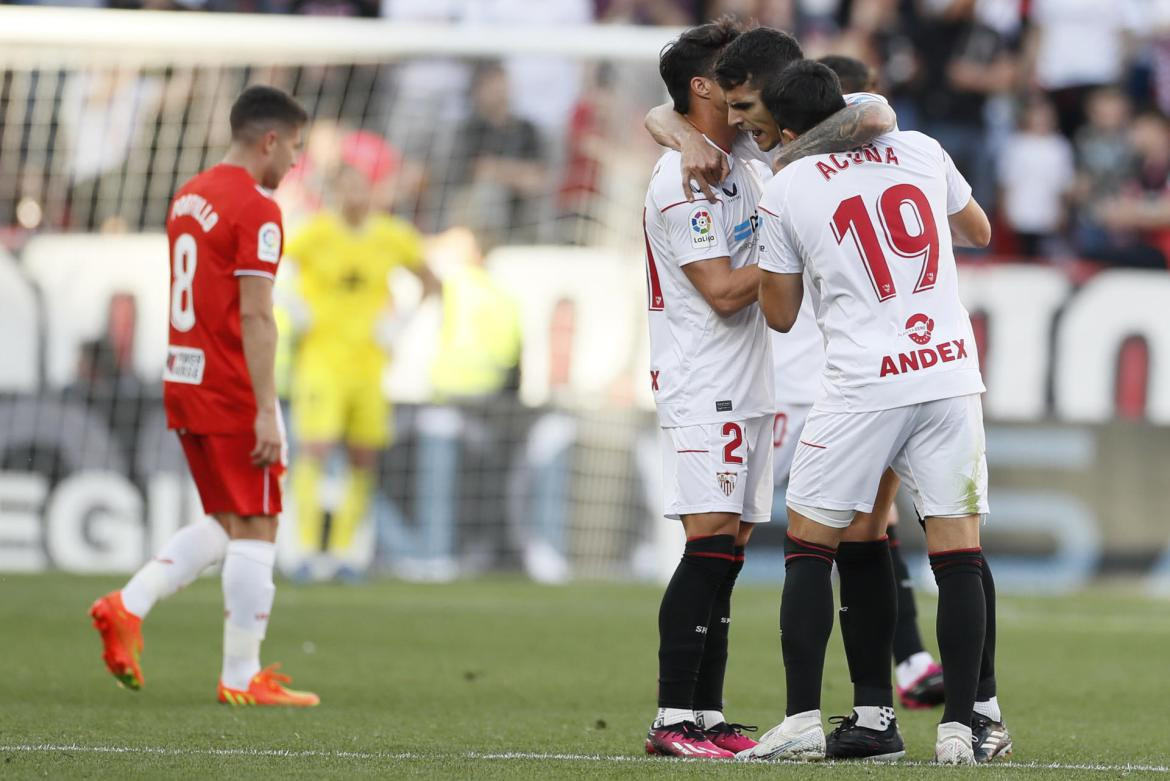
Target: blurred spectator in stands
(1138, 220)
(963, 60)
(102, 113)
(1036, 177)
(106, 383)
(1077, 46)
(669, 13)
(543, 88)
(588, 147)
(496, 171)
(478, 355)
(1105, 160)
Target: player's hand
(703, 164)
(269, 442)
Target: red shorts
(227, 480)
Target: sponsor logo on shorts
(919, 328)
(702, 228)
(184, 365)
(268, 243)
(726, 482)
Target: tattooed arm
(849, 128)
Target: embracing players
(219, 391)
(711, 374)
(872, 233)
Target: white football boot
(954, 745)
(798, 737)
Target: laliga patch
(268, 243)
(702, 229)
(185, 365)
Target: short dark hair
(854, 75)
(693, 54)
(758, 56)
(261, 105)
(806, 94)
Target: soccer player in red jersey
(219, 391)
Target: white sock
(954, 728)
(191, 550)
(804, 719)
(989, 708)
(668, 716)
(706, 719)
(878, 717)
(912, 669)
(248, 592)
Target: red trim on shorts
(810, 444)
(814, 546)
(957, 550)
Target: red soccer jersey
(221, 225)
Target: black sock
(962, 620)
(907, 638)
(987, 670)
(869, 611)
(806, 621)
(685, 613)
(709, 687)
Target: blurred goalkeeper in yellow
(344, 259)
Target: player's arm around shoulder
(701, 162)
(726, 290)
(853, 126)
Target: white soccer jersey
(869, 231)
(799, 355)
(703, 368)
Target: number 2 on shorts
(733, 431)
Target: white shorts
(719, 468)
(937, 448)
(786, 427)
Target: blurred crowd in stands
(1056, 110)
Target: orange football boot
(121, 633)
(266, 688)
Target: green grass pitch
(501, 679)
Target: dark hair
(806, 93)
(260, 105)
(758, 56)
(693, 54)
(854, 75)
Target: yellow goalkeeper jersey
(343, 273)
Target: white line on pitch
(48, 748)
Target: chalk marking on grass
(409, 756)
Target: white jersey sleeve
(958, 190)
(694, 231)
(779, 251)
